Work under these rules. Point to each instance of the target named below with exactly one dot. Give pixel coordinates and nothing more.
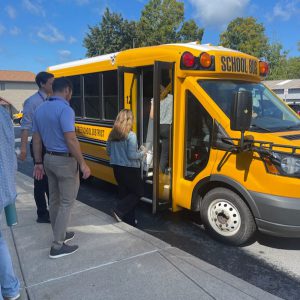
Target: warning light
(263, 68)
(188, 60)
(205, 60)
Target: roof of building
(283, 84)
(17, 76)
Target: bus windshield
(269, 114)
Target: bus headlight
(290, 165)
(282, 164)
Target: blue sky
(37, 33)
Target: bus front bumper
(278, 216)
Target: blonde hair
(122, 126)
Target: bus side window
(110, 95)
(76, 101)
(198, 131)
(92, 95)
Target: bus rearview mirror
(241, 111)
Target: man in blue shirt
(54, 125)
(44, 81)
(9, 283)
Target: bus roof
(112, 56)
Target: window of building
(278, 91)
(76, 101)
(110, 95)
(92, 95)
(294, 91)
(198, 136)
(2, 86)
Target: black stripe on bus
(100, 123)
(91, 141)
(97, 160)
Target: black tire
(227, 217)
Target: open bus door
(128, 80)
(163, 137)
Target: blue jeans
(9, 283)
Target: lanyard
(54, 98)
(44, 99)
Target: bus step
(148, 200)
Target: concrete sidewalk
(114, 261)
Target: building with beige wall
(288, 90)
(16, 87)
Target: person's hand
(38, 172)
(143, 149)
(85, 170)
(23, 154)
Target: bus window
(92, 95)
(76, 96)
(110, 95)
(199, 126)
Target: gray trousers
(63, 180)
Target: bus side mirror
(241, 111)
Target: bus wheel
(227, 217)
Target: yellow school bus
(232, 145)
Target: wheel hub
(224, 217)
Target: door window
(198, 135)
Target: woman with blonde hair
(125, 159)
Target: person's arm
(24, 141)
(26, 125)
(74, 148)
(67, 123)
(38, 171)
(152, 109)
(108, 148)
(132, 151)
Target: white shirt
(166, 110)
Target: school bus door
(128, 91)
(162, 179)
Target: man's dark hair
(42, 77)
(59, 84)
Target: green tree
(161, 22)
(293, 68)
(111, 35)
(246, 35)
(277, 59)
(190, 32)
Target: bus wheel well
(204, 189)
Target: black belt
(67, 154)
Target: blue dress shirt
(51, 120)
(30, 105)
